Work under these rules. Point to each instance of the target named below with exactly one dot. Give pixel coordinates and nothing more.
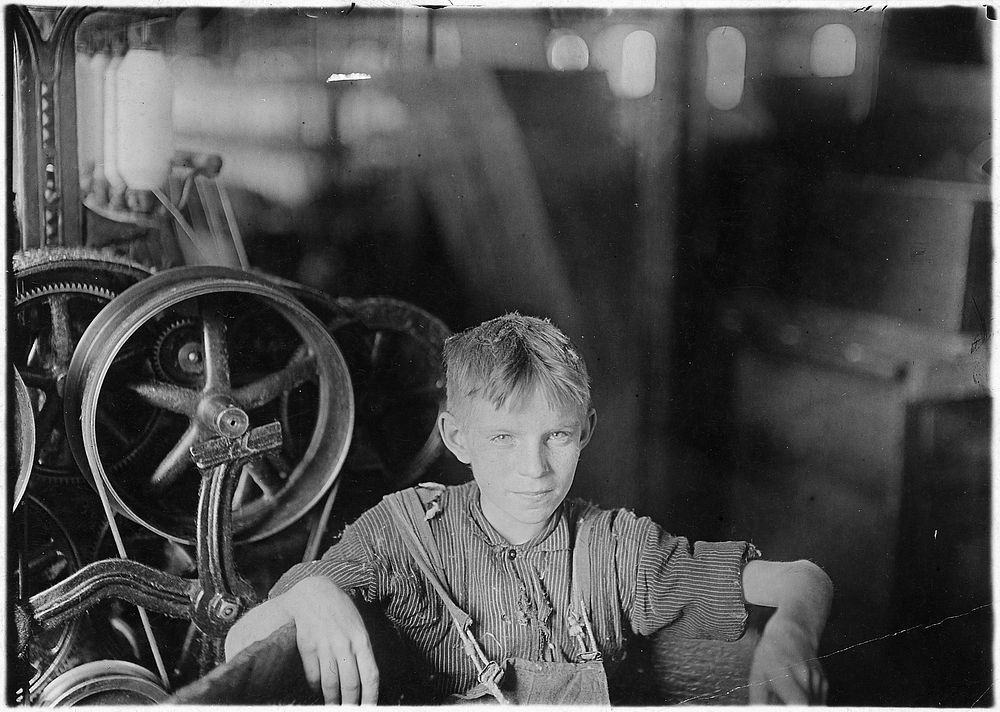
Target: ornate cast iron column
(45, 74)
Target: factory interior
(768, 230)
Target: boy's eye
(560, 435)
(501, 438)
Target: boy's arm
(333, 641)
(785, 666)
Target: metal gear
(57, 292)
(46, 368)
(48, 320)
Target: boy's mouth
(532, 494)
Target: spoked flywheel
(57, 293)
(211, 352)
(393, 350)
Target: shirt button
(511, 554)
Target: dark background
(785, 305)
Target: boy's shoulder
(375, 529)
(434, 497)
(614, 521)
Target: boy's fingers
(312, 659)
(368, 674)
(331, 679)
(789, 689)
(310, 666)
(758, 693)
(350, 680)
(817, 685)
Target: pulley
(45, 555)
(24, 435)
(211, 352)
(103, 682)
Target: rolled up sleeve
(697, 589)
(350, 563)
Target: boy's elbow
(772, 583)
(821, 585)
(814, 572)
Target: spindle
(116, 185)
(145, 106)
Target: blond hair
(506, 359)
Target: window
(567, 51)
(638, 69)
(726, 71)
(833, 51)
(627, 55)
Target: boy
(503, 586)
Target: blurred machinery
(186, 428)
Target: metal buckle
(491, 674)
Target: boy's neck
(512, 531)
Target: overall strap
(581, 585)
(581, 591)
(408, 512)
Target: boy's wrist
(797, 626)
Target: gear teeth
(24, 297)
(77, 288)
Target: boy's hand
(332, 639)
(785, 669)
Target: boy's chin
(535, 506)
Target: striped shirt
(518, 595)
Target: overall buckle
(491, 674)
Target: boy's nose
(533, 461)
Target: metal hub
(179, 355)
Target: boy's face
(523, 457)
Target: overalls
(514, 680)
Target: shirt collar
(554, 537)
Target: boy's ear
(453, 436)
(589, 424)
